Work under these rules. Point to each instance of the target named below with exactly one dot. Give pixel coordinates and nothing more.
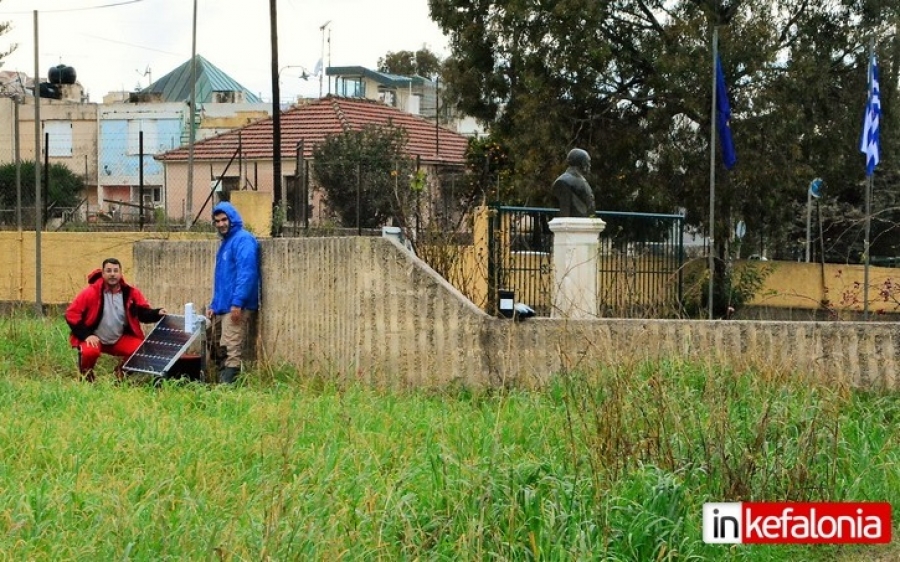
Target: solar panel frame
(164, 345)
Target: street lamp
(304, 74)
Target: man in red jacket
(106, 317)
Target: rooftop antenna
(322, 74)
(146, 72)
(329, 59)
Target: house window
(231, 183)
(350, 88)
(152, 195)
(387, 97)
(59, 137)
(151, 141)
(227, 97)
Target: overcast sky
(120, 44)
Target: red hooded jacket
(83, 315)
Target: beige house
(68, 132)
(243, 159)
(69, 124)
(69, 127)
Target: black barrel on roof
(61, 74)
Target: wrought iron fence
(639, 263)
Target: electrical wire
(60, 10)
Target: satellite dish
(815, 187)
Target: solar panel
(164, 345)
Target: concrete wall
(793, 291)
(798, 285)
(354, 306)
(67, 257)
(363, 308)
(255, 208)
(66, 260)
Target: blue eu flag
(723, 116)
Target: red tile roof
(313, 121)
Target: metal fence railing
(639, 263)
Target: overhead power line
(100, 7)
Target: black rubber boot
(229, 374)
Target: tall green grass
(607, 464)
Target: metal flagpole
(869, 180)
(866, 247)
(808, 220)
(712, 174)
(814, 191)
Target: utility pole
(276, 117)
(192, 135)
(38, 223)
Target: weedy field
(610, 463)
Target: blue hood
(234, 217)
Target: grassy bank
(611, 464)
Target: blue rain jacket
(236, 281)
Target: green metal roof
(176, 85)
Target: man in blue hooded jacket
(235, 286)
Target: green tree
(367, 176)
(63, 187)
(423, 62)
(487, 170)
(630, 81)
(5, 26)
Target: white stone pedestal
(575, 247)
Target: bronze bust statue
(571, 189)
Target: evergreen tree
(366, 175)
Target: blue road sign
(815, 187)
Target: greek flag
(869, 144)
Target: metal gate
(639, 273)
